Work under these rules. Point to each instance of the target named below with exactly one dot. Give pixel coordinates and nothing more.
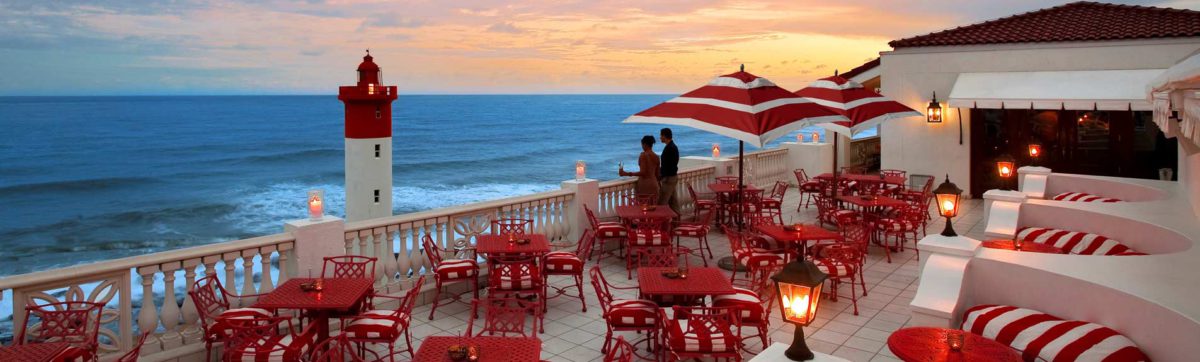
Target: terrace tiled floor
(575, 336)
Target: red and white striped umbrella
(860, 108)
(739, 105)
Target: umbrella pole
(835, 165)
(730, 263)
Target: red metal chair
(350, 266)
(808, 188)
(516, 278)
(753, 301)
(897, 228)
(621, 352)
(385, 326)
(641, 199)
(749, 251)
(774, 201)
(449, 271)
(135, 353)
(511, 226)
(564, 263)
(701, 204)
(605, 231)
(698, 230)
(504, 316)
(841, 263)
(700, 332)
(622, 314)
(268, 339)
(341, 349)
(75, 323)
(828, 211)
(749, 202)
(649, 232)
(212, 304)
(728, 180)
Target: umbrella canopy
(739, 105)
(860, 109)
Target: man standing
(670, 168)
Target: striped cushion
(756, 257)
(632, 313)
(831, 217)
(610, 229)
(651, 238)
(380, 324)
(771, 203)
(522, 282)
(811, 186)
(1045, 337)
(703, 339)
(561, 261)
(221, 327)
(890, 224)
(457, 269)
(745, 301)
(274, 349)
(1083, 197)
(1073, 242)
(690, 230)
(834, 269)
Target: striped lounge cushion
(1083, 197)
(690, 230)
(377, 324)
(632, 313)
(222, 328)
(1043, 337)
(757, 257)
(274, 349)
(745, 301)
(811, 186)
(652, 238)
(610, 229)
(457, 268)
(832, 217)
(561, 261)
(834, 269)
(704, 339)
(894, 225)
(1074, 242)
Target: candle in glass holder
(316, 204)
(954, 340)
(716, 150)
(580, 170)
(1018, 244)
(816, 138)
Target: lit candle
(580, 170)
(816, 138)
(716, 150)
(316, 204)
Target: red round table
(927, 344)
(1026, 246)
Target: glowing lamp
(799, 290)
(716, 150)
(947, 195)
(799, 138)
(933, 114)
(371, 88)
(816, 138)
(580, 170)
(316, 204)
(1035, 150)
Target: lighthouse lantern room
(368, 143)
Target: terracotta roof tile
(1078, 21)
(861, 68)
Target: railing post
(587, 192)
(940, 285)
(314, 241)
(1032, 181)
(1000, 211)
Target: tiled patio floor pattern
(575, 336)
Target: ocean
(84, 179)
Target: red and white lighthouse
(368, 143)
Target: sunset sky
(435, 47)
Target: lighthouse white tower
(368, 144)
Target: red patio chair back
(76, 323)
(729, 180)
(648, 226)
(801, 176)
(348, 266)
(603, 293)
(894, 173)
(511, 226)
(583, 249)
(512, 275)
(591, 217)
(135, 353)
(763, 218)
(844, 253)
(662, 257)
(692, 191)
(258, 338)
(504, 316)
(622, 351)
(432, 251)
(780, 189)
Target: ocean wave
(305, 155)
(90, 185)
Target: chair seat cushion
(690, 230)
(704, 339)
(632, 313)
(222, 328)
(832, 216)
(811, 186)
(457, 269)
(610, 229)
(757, 257)
(73, 353)
(1082, 197)
(1044, 337)
(894, 225)
(745, 301)
(1074, 242)
(274, 349)
(835, 269)
(521, 282)
(561, 261)
(649, 238)
(771, 203)
(377, 324)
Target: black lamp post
(799, 288)
(948, 195)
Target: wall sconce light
(933, 113)
(316, 204)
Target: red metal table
(799, 238)
(33, 352)
(630, 212)
(500, 245)
(491, 349)
(339, 294)
(893, 180)
(1026, 246)
(700, 282)
(927, 344)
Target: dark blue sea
(92, 178)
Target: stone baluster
(350, 242)
(148, 316)
(248, 276)
(170, 310)
(190, 314)
(409, 239)
(391, 265)
(230, 277)
(264, 284)
(286, 252)
(362, 243)
(381, 277)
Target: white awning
(1110, 90)
(1182, 75)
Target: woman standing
(648, 168)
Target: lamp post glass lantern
(1035, 152)
(933, 113)
(948, 195)
(798, 286)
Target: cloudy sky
(70, 47)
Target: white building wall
(366, 173)
(910, 75)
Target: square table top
(875, 201)
(33, 352)
(338, 294)
(491, 348)
(806, 232)
(498, 244)
(722, 188)
(894, 180)
(701, 281)
(628, 212)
